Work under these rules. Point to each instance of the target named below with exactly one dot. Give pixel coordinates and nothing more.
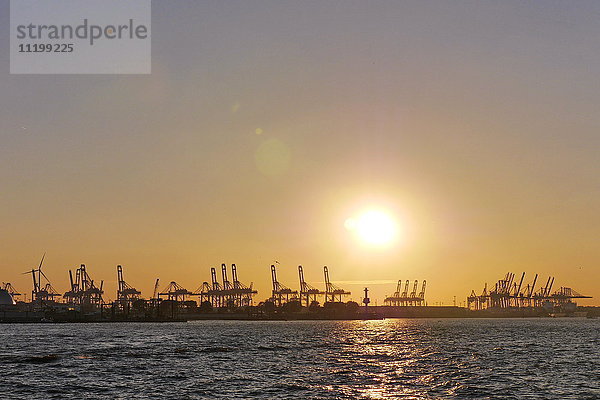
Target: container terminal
(226, 297)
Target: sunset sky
(266, 125)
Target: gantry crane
(125, 294)
(404, 298)
(155, 292)
(405, 291)
(413, 294)
(508, 294)
(212, 292)
(333, 293)
(217, 300)
(83, 290)
(228, 293)
(241, 294)
(175, 292)
(307, 292)
(398, 288)
(421, 297)
(281, 292)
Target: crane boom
(155, 288)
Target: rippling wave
(406, 359)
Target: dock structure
(85, 294)
(83, 291)
(508, 294)
(308, 293)
(403, 298)
(333, 293)
(281, 294)
(231, 294)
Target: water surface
(407, 359)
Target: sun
(373, 227)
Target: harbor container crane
(126, 294)
(175, 292)
(333, 293)
(308, 293)
(280, 291)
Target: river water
(406, 359)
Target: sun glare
(373, 227)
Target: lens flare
(373, 227)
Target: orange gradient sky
(265, 125)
